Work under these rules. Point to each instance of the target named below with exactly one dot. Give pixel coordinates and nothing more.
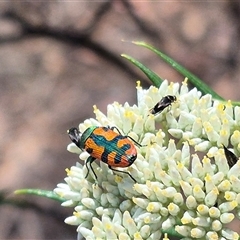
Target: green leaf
(198, 83)
(235, 103)
(42, 193)
(172, 232)
(156, 80)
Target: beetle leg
(138, 144)
(90, 161)
(123, 172)
(114, 127)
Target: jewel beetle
(106, 145)
(163, 103)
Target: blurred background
(59, 58)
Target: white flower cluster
(178, 188)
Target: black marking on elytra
(89, 150)
(117, 158)
(106, 129)
(111, 146)
(132, 159)
(104, 156)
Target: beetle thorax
(85, 135)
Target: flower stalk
(185, 186)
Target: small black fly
(163, 103)
(230, 156)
